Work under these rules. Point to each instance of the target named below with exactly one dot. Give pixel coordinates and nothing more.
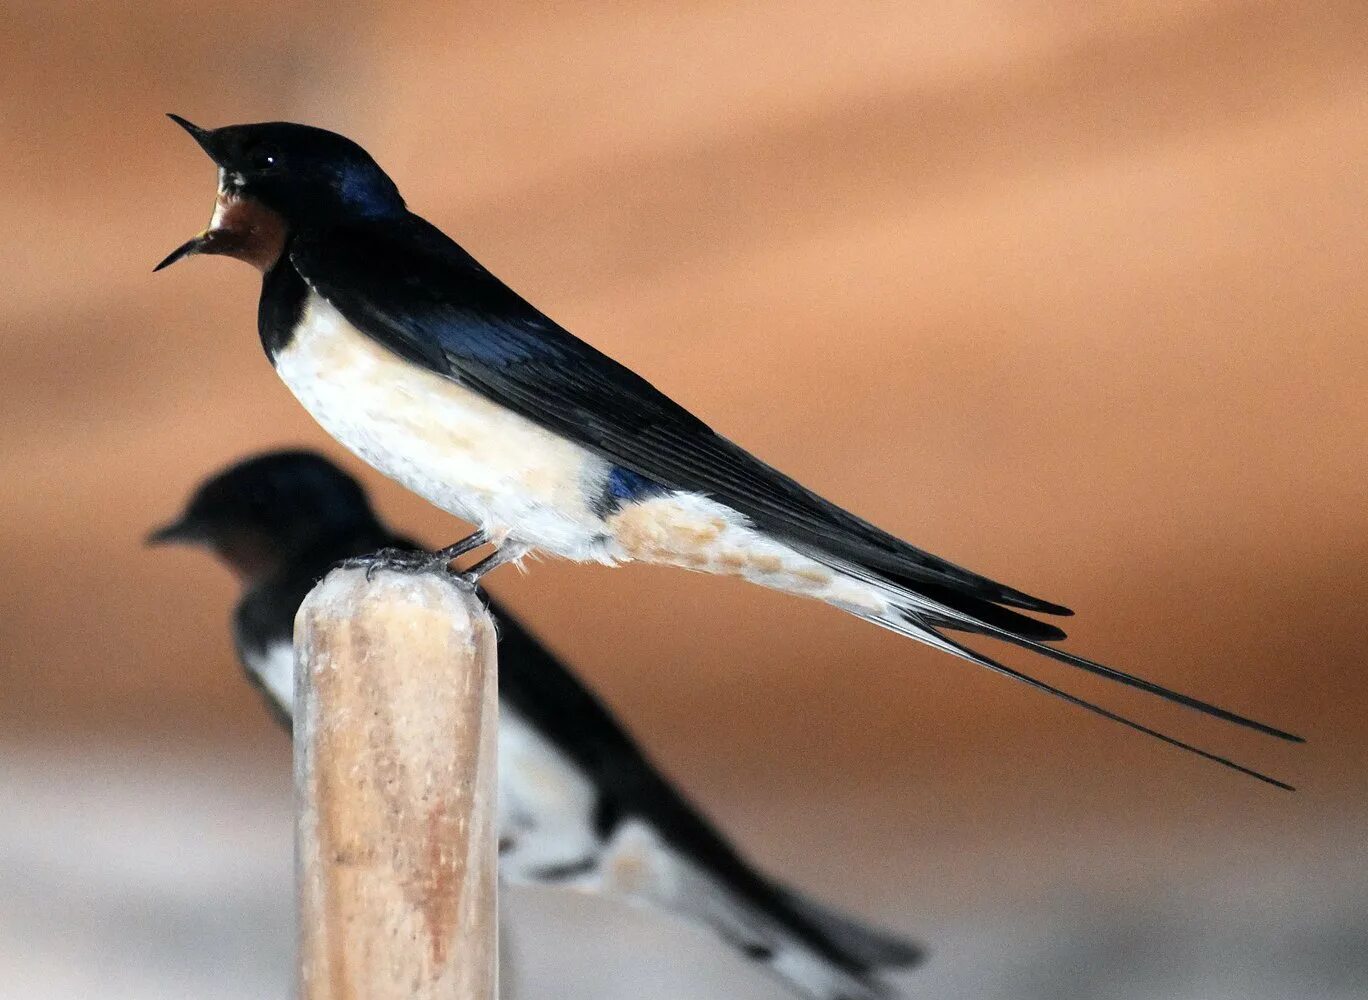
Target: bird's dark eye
(263, 159)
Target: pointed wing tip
(912, 955)
(1016, 599)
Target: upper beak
(180, 531)
(203, 136)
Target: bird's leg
(469, 543)
(505, 553)
(415, 560)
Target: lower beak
(177, 532)
(210, 241)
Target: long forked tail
(924, 614)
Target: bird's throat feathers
(250, 231)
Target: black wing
(414, 290)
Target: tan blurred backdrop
(1071, 294)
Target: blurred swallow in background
(580, 806)
(427, 366)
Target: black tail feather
(928, 573)
(986, 661)
(998, 618)
(968, 612)
(1131, 680)
(994, 626)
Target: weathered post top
(396, 701)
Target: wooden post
(396, 715)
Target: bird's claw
(395, 560)
(420, 561)
(468, 578)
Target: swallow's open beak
(182, 531)
(215, 239)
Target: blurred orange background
(1070, 296)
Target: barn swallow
(580, 805)
(413, 355)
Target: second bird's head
(275, 176)
(271, 508)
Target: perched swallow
(580, 806)
(427, 366)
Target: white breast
(546, 803)
(450, 445)
(275, 670)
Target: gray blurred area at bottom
(128, 874)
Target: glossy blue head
(277, 176)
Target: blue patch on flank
(622, 487)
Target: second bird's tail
(818, 952)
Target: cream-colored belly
(443, 441)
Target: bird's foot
(422, 561)
(469, 543)
(395, 560)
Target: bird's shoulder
(405, 283)
(405, 275)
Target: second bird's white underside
(545, 825)
(274, 670)
(546, 815)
